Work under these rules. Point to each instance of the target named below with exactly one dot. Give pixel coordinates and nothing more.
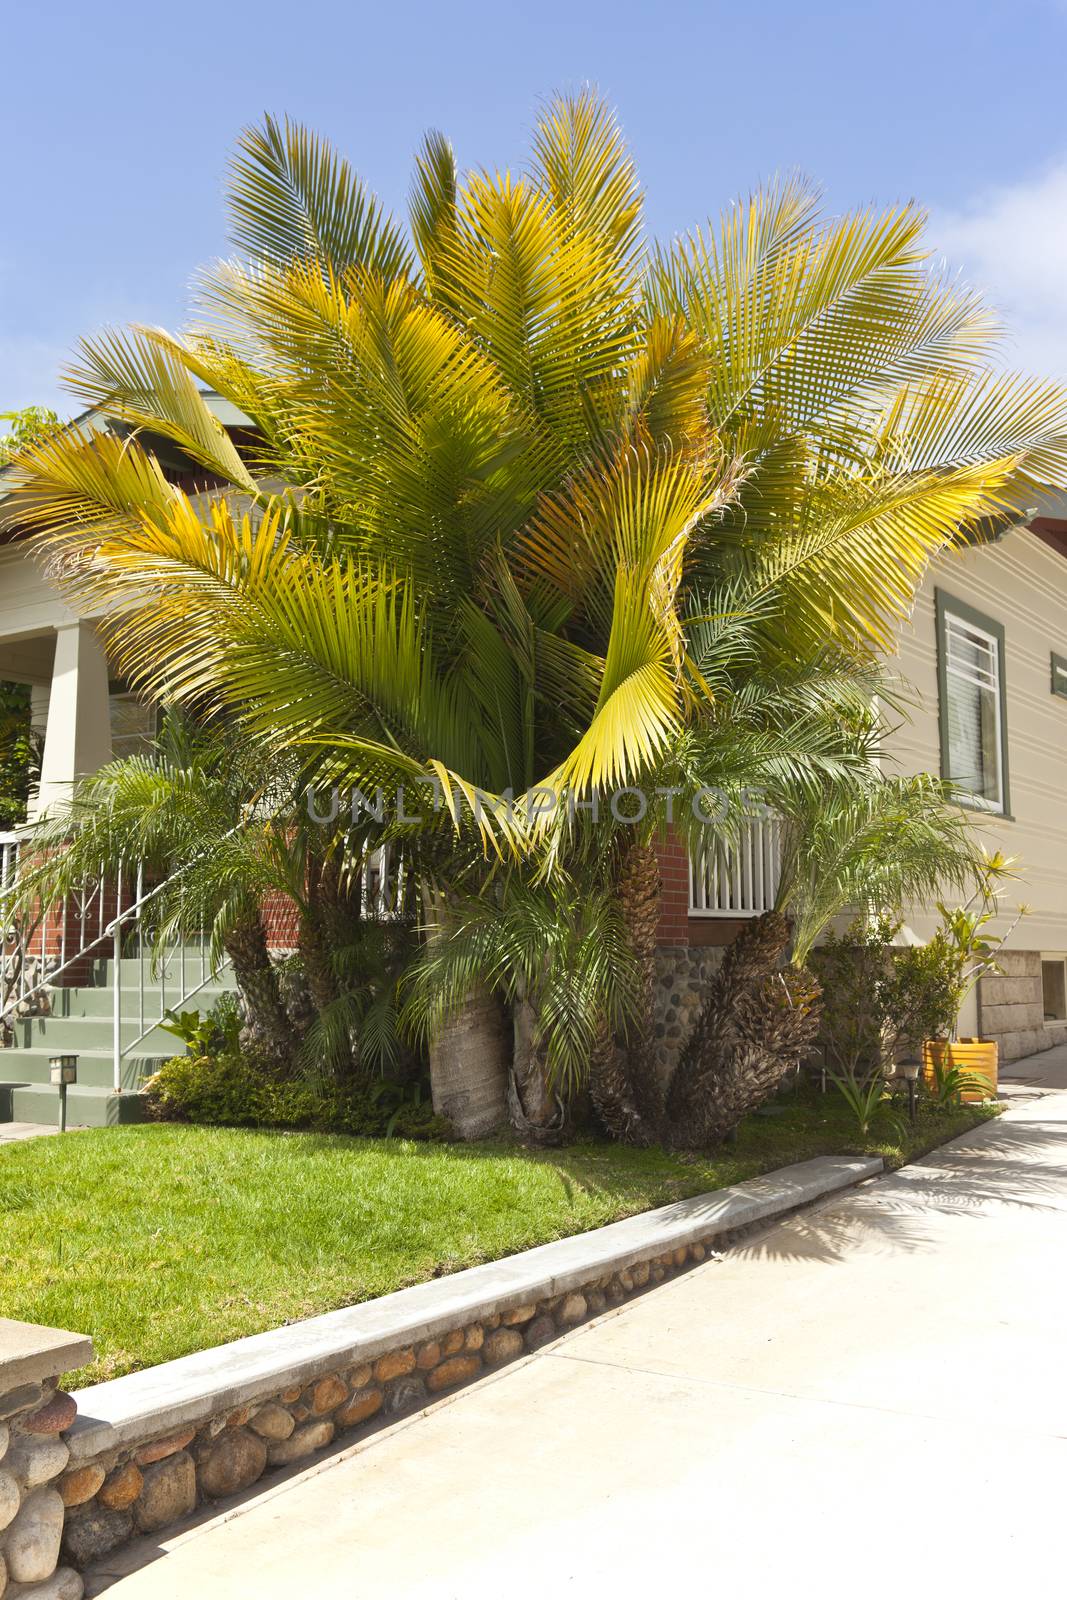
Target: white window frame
(1051, 958)
(741, 879)
(954, 615)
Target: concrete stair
(82, 1023)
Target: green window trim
(946, 605)
(1059, 675)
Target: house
(983, 661)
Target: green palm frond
(293, 198)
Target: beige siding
(1022, 584)
(28, 602)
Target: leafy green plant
(868, 1098)
(855, 969)
(225, 1089)
(212, 1033)
(950, 1084)
(20, 752)
(965, 941)
(26, 426)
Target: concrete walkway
(869, 1399)
(14, 1132)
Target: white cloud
(1012, 243)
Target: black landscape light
(63, 1070)
(909, 1071)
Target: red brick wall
(280, 920)
(676, 926)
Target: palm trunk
(266, 1029)
(469, 1057)
(536, 1112)
(626, 1079)
(755, 1023)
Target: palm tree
(182, 811)
(528, 455)
(560, 957)
(899, 842)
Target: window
(134, 725)
(1059, 675)
(739, 879)
(970, 652)
(1054, 988)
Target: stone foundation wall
(1011, 1008)
(33, 1483)
(682, 975)
(144, 1489)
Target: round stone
(10, 1498)
(304, 1442)
(428, 1355)
(395, 1364)
(474, 1337)
(167, 1494)
(452, 1342)
(55, 1415)
(160, 1448)
(503, 1345)
(453, 1370)
(272, 1422)
(94, 1532)
(540, 1331)
(573, 1309)
(326, 1395)
(34, 1461)
(31, 1546)
(80, 1485)
(64, 1584)
(122, 1487)
(233, 1463)
(520, 1314)
(359, 1406)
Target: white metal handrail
(738, 878)
(381, 891)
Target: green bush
(226, 1089)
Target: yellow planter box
(979, 1058)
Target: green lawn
(160, 1240)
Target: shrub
(225, 1089)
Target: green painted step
(96, 1068)
(91, 1033)
(81, 1023)
(131, 968)
(87, 1107)
(101, 1002)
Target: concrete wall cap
(29, 1353)
(193, 1388)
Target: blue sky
(117, 122)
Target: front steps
(82, 1023)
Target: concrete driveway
(869, 1399)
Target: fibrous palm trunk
(266, 1032)
(469, 1056)
(752, 1028)
(535, 1111)
(624, 1077)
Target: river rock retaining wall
(148, 1450)
(35, 1416)
(113, 1497)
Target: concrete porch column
(78, 732)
